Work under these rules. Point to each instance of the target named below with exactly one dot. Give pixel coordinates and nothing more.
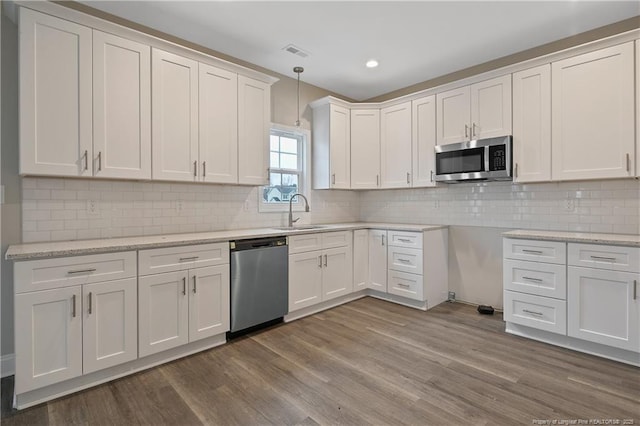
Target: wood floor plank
(366, 362)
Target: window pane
(275, 145)
(276, 179)
(272, 194)
(290, 180)
(289, 145)
(288, 161)
(275, 160)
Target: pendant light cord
(298, 70)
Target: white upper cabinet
(592, 102)
(532, 124)
(637, 108)
(218, 125)
(174, 117)
(55, 96)
(254, 118)
(424, 141)
(395, 143)
(121, 107)
(482, 110)
(365, 148)
(331, 147)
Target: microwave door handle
(486, 158)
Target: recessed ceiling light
(372, 63)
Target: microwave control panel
(497, 158)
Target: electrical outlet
(569, 205)
(179, 206)
(451, 297)
(92, 207)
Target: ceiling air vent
(296, 50)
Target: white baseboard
(8, 365)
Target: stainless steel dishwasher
(259, 283)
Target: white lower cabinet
(76, 328)
(360, 259)
(378, 260)
(186, 304)
(319, 275)
(543, 313)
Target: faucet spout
(306, 208)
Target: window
(287, 169)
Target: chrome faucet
(306, 208)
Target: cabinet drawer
(304, 243)
(405, 260)
(405, 239)
(155, 261)
(406, 285)
(336, 239)
(46, 274)
(615, 258)
(543, 313)
(542, 279)
(534, 250)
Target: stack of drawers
(405, 265)
(535, 284)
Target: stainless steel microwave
(482, 159)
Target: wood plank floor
(366, 362)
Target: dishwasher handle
(257, 243)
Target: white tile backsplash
(58, 209)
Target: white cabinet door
(305, 279)
(254, 118)
(532, 124)
(604, 307)
(337, 278)
(360, 259)
(454, 115)
(218, 124)
(395, 144)
(163, 313)
(110, 324)
(491, 108)
(592, 102)
(637, 108)
(378, 260)
(424, 141)
(55, 96)
(365, 148)
(174, 117)
(49, 341)
(339, 147)
(208, 301)
(121, 108)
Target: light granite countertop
(576, 237)
(43, 250)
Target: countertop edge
(628, 240)
(32, 251)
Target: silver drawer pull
(538, 280)
(184, 259)
(403, 285)
(404, 240)
(532, 312)
(404, 261)
(610, 259)
(532, 251)
(82, 271)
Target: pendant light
(298, 70)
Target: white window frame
(305, 177)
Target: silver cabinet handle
(408, 178)
(473, 129)
(320, 261)
(333, 179)
(184, 259)
(90, 303)
(635, 289)
(86, 159)
(404, 260)
(194, 284)
(515, 170)
(610, 259)
(204, 168)
(99, 160)
(466, 131)
(532, 312)
(382, 239)
(402, 285)
(81, 271)
(195, 169)
(184, 286)
(628, 162)
(325, 260)
(531, 251)
(73, 309)
(538, 280)
(377, 180)
(431, 175)
(404, 240)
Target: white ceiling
(413, 41)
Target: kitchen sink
(299, 227)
